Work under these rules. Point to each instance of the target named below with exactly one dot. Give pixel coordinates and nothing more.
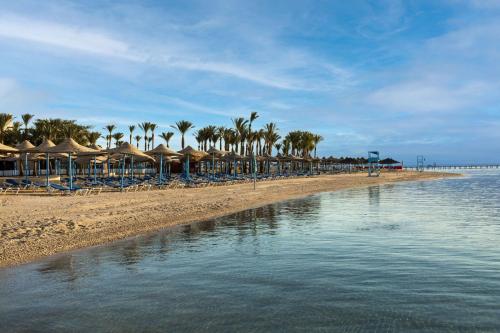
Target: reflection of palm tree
(183, 126)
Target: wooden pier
(451, 167)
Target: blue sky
(403, 77)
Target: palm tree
(167, 136)
(152, 128)
(5, 122)
(198, 136)
(110, 128)
(131, 129)
(183, 126)
(270, 136)
(26, 120)
(221, 130)
(137, 139)
(317, 139)
(92, 137)
(253, 117)
(145, 128)
(240, 124)
(117, 136)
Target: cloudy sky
(403, 77)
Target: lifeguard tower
(420, 163)
(373, 164)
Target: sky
(406, 78)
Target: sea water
(414, 256)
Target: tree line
(242, 137)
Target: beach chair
(66, 190)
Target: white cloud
(99, 43)
(428, 96)
(74, 38)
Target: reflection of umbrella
(388, 161)
(70, 146)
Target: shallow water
(417, 256)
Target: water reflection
(415, 256)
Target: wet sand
(32, 227)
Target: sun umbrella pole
(47, 168)
(132, 167)
(123, 172)
(213, 165)
(70, 172)
(26, 171)
(160, 181)
(187, 167)
(95, 170)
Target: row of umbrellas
(165, 154)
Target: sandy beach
(36, 226)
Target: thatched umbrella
(215, 153)
(162, 151)
(42, 147)
(7, 149)
(233, 157)
(70, 147)
(126, 149)
(190, 152)
(25, 147)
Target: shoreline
(35, 227)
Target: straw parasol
(269, 157)
(232, 156)
(128, 149)
(165, 153)
(69, 146)
(25, 147)
(161, 149)
(7, 149)
(188, 153)
(214, 153)
(191, 152)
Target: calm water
(420, 256)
